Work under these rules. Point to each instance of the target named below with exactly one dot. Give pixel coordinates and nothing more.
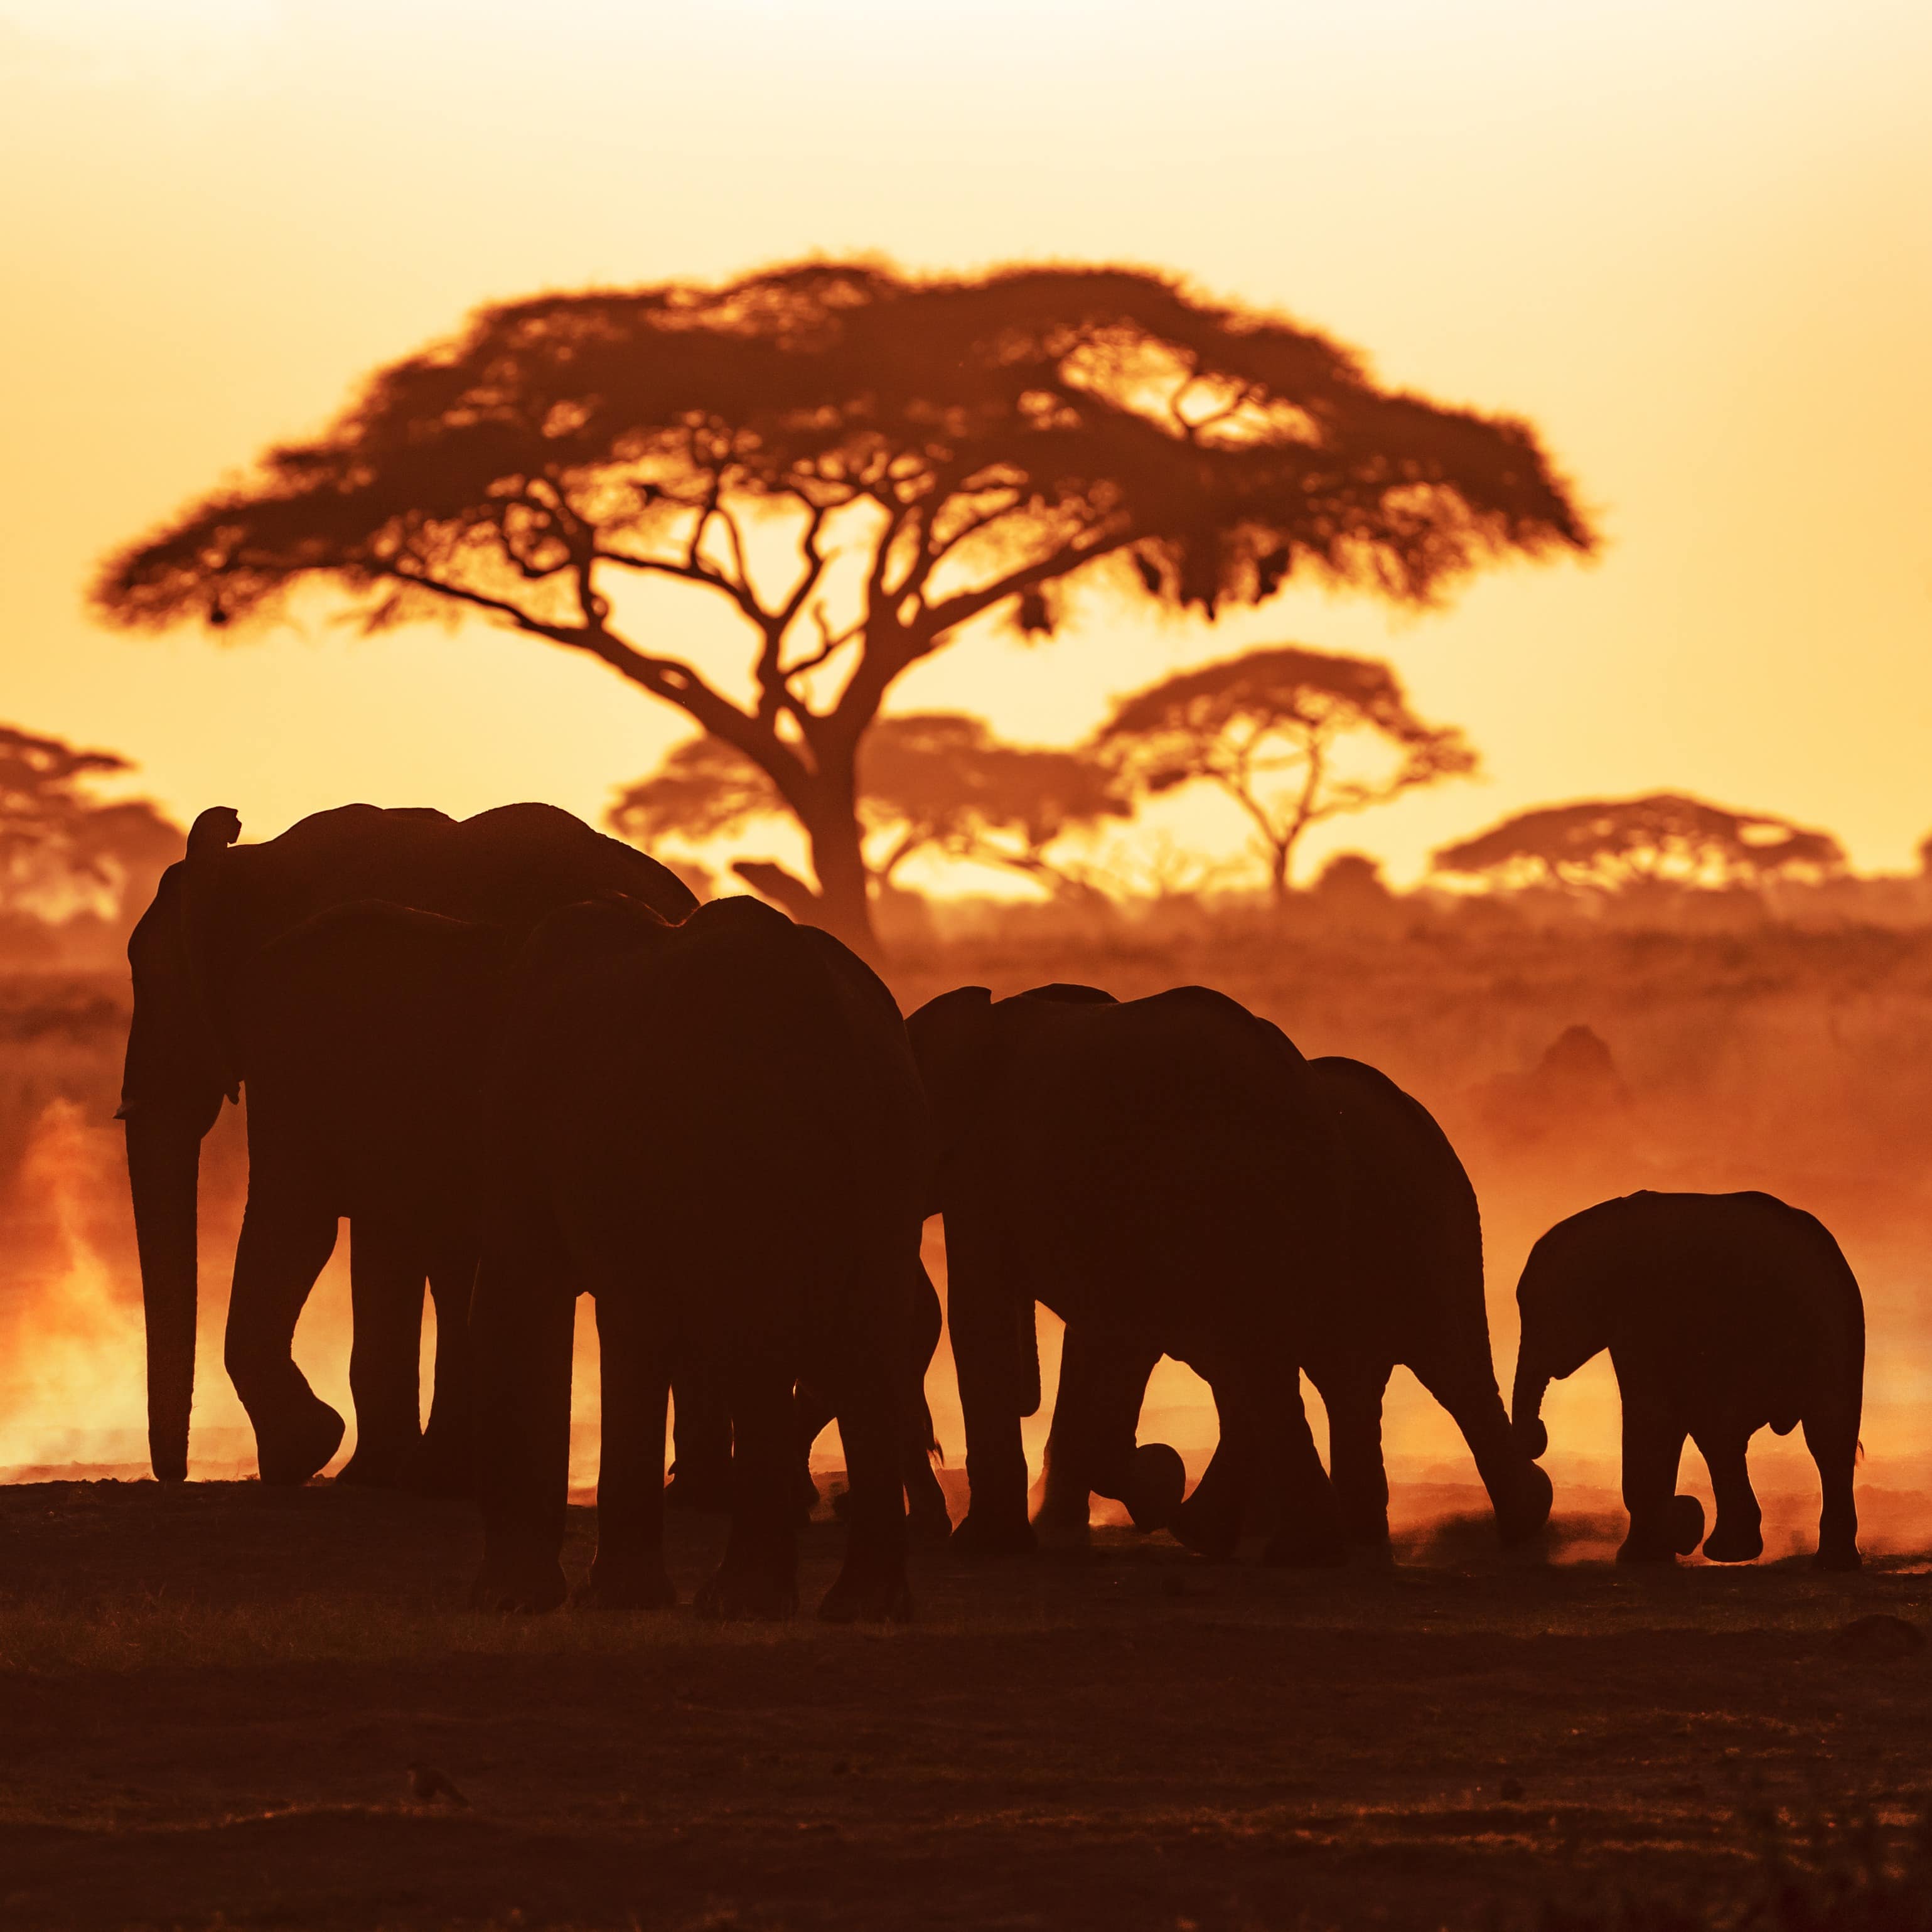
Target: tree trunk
(1280, 859)
(830, 817)
(845, 905)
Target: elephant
(212, 913)
(1722, 1313)
(1408, 1290)
(1160, 1173)
(717, 1129)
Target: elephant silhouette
(1163, 1175)
(717, 1129)
(1408, 1290)
(1723, 1314)
(212, 914)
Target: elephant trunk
(1532, 1379)
(163, 1169)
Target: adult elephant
(1160, 1172)
(211, 914)
(1408, 1290)
(716, 1129)
(1723, 1314)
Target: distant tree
(1606, 845)
(1267, 728)
(859, 462)
(936, 781)
(64, 853)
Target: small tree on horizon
(1608, 845)
(859, 463)
(1265, 728)
(930, 781)
(64, 852)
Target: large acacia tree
(859, 462)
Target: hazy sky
(1692, 241)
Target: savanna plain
(214, 1695)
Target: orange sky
(1691, 239)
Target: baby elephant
(1722, 1312)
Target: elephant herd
(523, 1064)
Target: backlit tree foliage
(859, 463)
(1609, 845)
(1283, 731)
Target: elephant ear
(203, 868)
(952, 1039)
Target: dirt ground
(209, 1696)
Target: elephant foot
(640, 1584)
(710, 1494)
(982, 1535)
(744, 1591)
(1156, 1482)
(1840, 1557)
(872, 1593)
(287, 1457)
(529, 1586)
(1729, 1543)
(1374, 1553)
(1305, 1546)
(1522, 1517)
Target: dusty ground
(210, 1695)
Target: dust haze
(1568, 1064)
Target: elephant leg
(1738, 1537)
(871, 1585)
(445, 1462)
(287, 1240)
(700, 1470)
(522, 1331)
(1833, 1440)
(1210, 1521)
(386, 1297)
(1663, 1524)
(992, 1325)
(1308, 1532)
(1072, 1442)
(1354, 1400)
(759, 1576)
(926, 1513)
(1520, 1492)
(629, 1572)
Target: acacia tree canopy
(938, 781)
(1606, 844)
(921, 450)
(1266, 726)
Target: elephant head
(177, 1074)
(1566, 1301)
